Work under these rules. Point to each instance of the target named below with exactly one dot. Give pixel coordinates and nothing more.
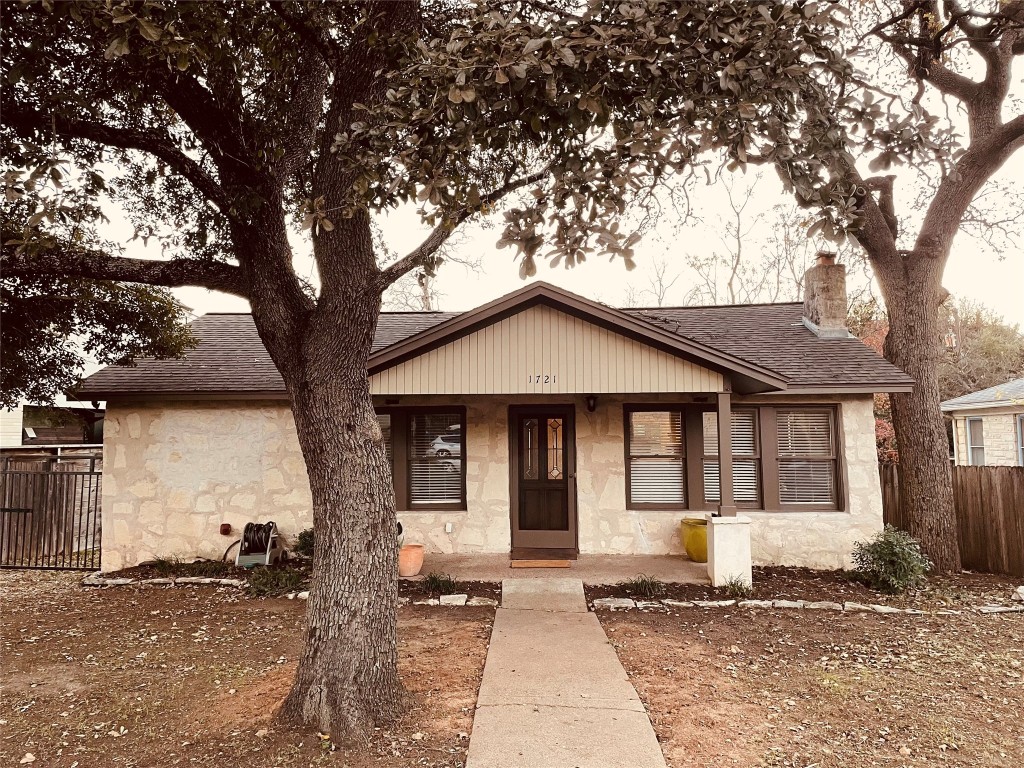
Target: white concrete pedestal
(729, 550)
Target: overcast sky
(974, 270)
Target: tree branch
(61, 261)
(29, 122)
(957, 191)
(439, 235)
(309, 35)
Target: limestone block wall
(1000, 435)
(811, 539)
(175, 471)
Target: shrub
(891, 562)
(440, 583)
(737, 588)
(271, 582)
(304, 543)
(647, 587)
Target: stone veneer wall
(175, 471)
(1000, 435)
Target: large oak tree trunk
(347, 678)
(912, 297)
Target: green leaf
(149, 30)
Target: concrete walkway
(554, 694)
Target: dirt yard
(154, 676)
(821, 689)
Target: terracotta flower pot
(410, 559)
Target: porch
(591, 569)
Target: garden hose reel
(260, 545)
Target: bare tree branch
(419, 256)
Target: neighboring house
(540, 420)
(42, 426)
(988, 426)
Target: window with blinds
(435, 458)
(976, 441)
(657, 459)
(807, 457)
(746, 461)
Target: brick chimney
(825, 297)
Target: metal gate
(50, 517)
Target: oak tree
(223, 127)
(933, 93)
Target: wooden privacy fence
(50, 515)
(989, 504)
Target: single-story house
(540, 420)
(988, 426)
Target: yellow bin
(693, 532)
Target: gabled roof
(747, 376)
(1010, 393)
(761, 348)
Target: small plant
(272, 582)
(647, 587)
(891, 562)
(440, 583)
(737, 588)
(304, 543)
(166, 566)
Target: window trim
(400, 468)
(688, 481)
(756, 456)
(971, 446)
(766, 424)
(1020, 439)
(838, 460)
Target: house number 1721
(542, 378)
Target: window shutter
(435, 458)
(746, 479)
(807, 457)
(657, 458)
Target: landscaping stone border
(601, 603)
(98, 580)
(625, 604)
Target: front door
(543, 477)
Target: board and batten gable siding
(539, 351)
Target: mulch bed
(414, 589)
(780, 583)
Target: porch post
(727, 503)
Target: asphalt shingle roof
(773, 336)
(1001, 394)
(231, 358)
